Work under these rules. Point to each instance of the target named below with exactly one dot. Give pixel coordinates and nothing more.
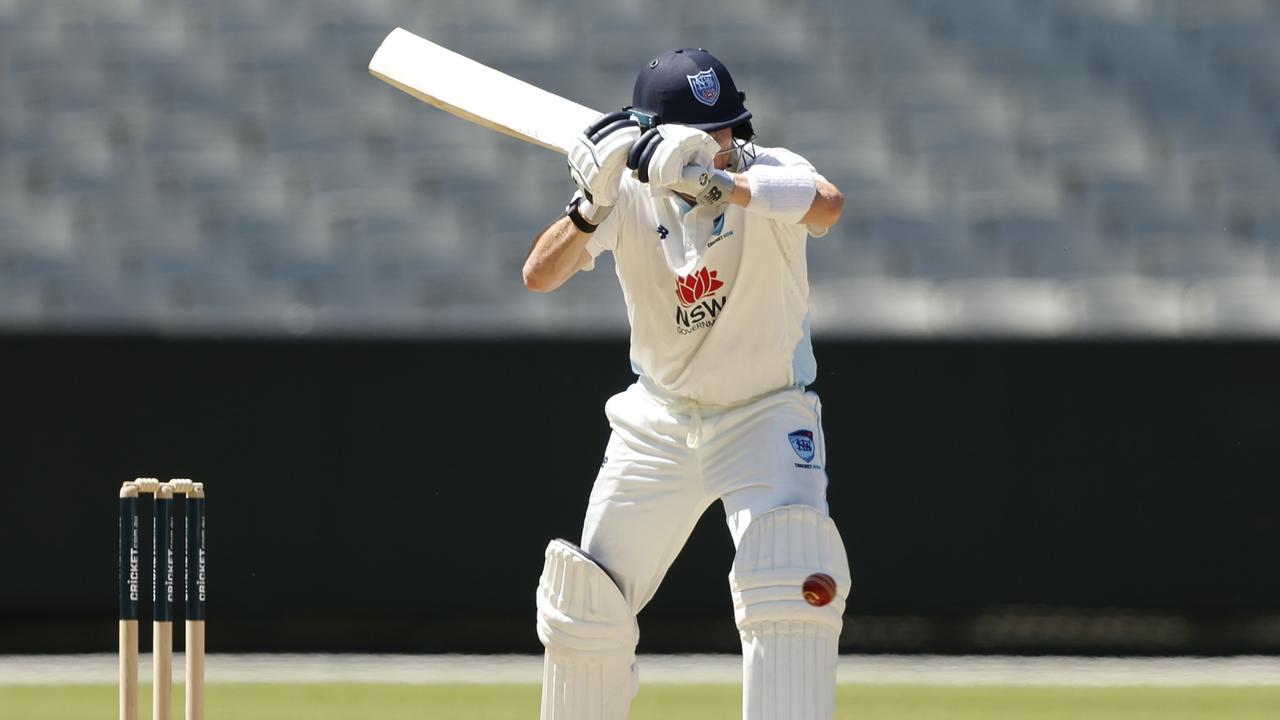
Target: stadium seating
(1012, 167)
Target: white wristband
(784, 194)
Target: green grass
(657, 702)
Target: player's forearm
(788, 195)
(558, 253)
(741, 193)
(827, 207)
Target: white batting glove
(598, 159)
(660, 156)
(707, 185)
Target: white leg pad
(789, 647)
(590, 636)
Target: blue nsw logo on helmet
(690, 87)
(705, 86)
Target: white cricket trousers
(653, 487)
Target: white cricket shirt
(736, 326)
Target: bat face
(472, 91)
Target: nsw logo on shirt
(700, 303)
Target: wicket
(162, 596)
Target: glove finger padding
(679, 146)
(641, 151)
(598, 129)
(597, 160)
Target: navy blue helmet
(690, 87)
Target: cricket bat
(472, 91)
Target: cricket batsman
(708, 233)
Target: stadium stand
(1012, 167)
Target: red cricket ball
(819, 589)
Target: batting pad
(589, 669)
(789, 647)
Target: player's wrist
(718, 187)
(586, 215)
(706, 185)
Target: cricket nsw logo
(717, 230)
(699, 303)
(706, 86)
(802, 443)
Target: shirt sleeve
(606, 235)
(786, 160)
(781, 157)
